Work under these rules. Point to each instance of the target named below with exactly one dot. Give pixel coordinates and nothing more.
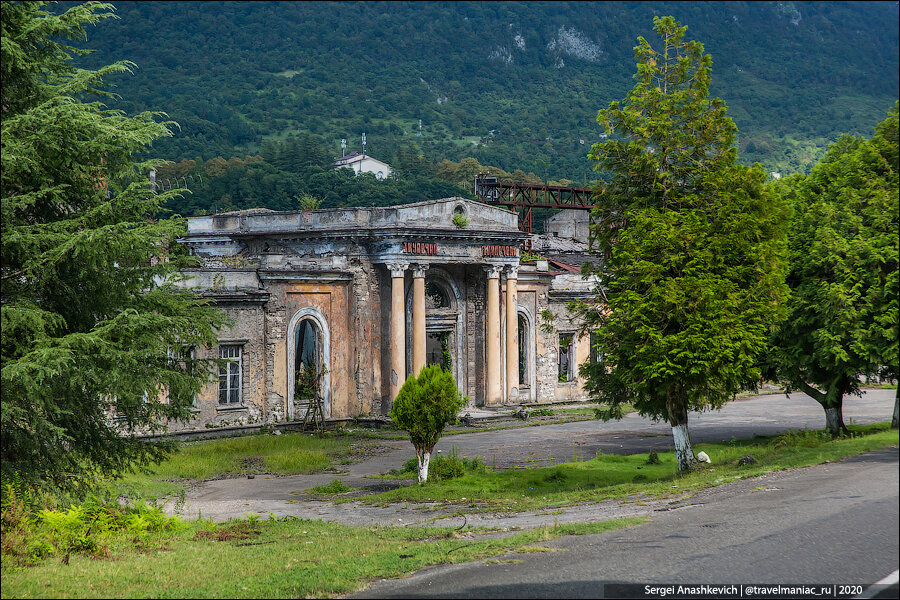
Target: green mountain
(516, 85)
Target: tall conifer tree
(693, 246)
(97, 334)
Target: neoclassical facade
(363, 297)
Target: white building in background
(363, 163)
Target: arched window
(309, 368)
(436, 296)
(307, 360)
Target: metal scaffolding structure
(524, 198)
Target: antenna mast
(364, 143)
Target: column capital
(397, 269)
(419, 269)
(493, 271)
(512, 271)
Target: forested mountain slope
(513, 84)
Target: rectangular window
(230, 374)
(566, 358)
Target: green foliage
(541, 412)
(843, 311)
(95, 323)
(281, 548)
(425, 405)
(31, 534)
(548, 321)
(445, 467)
(693, 244)
(460, 221)
(244, 90)
(308, 202)
(335, 487)
(623, 476)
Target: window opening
(523, 351)
(307, 360)
(437, 350)
(596, 354)
(435, 296)
(230, 374)
(566, 358)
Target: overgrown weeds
(443, 467)
(31, 533)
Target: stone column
(398, 329)
(493, 376)
(418, 318)
(512, 334)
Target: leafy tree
(424, 405)
(842, 322)
(93, 322)
(693, 247)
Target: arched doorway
(309, 361)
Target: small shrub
(653, 458)
(423, 407)
(460, 220)
(446, 467)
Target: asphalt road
(829, 524)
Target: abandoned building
(361, 297)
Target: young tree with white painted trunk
(693, 247)
(423, 407)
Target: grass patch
(335, 487)
(288, 454)
(617, 476)
(269, 558)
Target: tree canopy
(97, 337)
(843, 311)
(693, 246)
(512, 84)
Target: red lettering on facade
(499, 250)
(419, 248)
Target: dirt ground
(224, 499)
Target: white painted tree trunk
(684, 454)
(424, 459)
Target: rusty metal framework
(524, 198)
